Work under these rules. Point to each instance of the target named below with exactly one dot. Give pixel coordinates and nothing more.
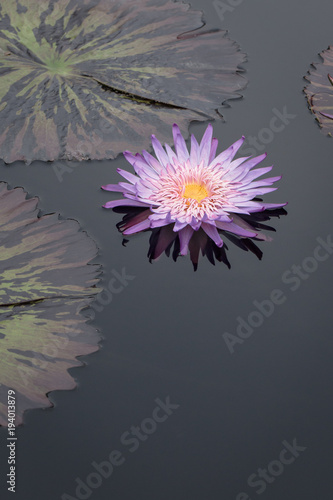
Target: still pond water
(231, 414)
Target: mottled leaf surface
(87, 79)
(320, 91)
(45, 282)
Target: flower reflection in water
(166, 240)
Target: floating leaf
(84, 79)
(320, 91)
(45, 283)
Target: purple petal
(213, 149)
(247, 164)
(171, 154)
(252, 162)
(179, 225)
(152, 162)
(258, 192)
(254, 174)
(195, 151)
(268, 206)
(166, 237)
(232, 169)
(125, 202)
(175, 131)
(205, 145)
(143, 169)
(242, 223)
(145, 201)
(142, 192)
(127, 188)
(128, 176)
(113, 187)
(263, 237)
(212, 232)
(150, 184)
(159, 151)
(184, 237)
(130, 157)
(233, 228)
(180, 144)
(140, 217)
(158, 222)
(195, 224)
(141, 226)
(263, 182)
(228, 153)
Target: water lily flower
(194, 190)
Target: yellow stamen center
(195, 192)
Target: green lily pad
(87, 79)
(45, 283)
(320, 91)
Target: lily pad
(45, 283)
(320, 91)
(87, 79)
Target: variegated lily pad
(320, 91)
(87, 79)
(45, 283)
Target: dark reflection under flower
(166, 240)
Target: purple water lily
(196, 190)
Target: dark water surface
(163, 334)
